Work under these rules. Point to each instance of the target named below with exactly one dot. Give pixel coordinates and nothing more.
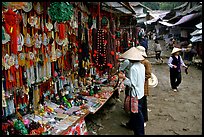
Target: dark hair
(156, 41)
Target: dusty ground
(171, 113)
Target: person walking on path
(175, 62)
(148, 70)
(158, 50)
(144, 43)
(135, 80)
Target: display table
(71, 121)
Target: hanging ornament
(59, 41)
(58, 53)
(20, 42)
(38, 40)
(28, 41)
(61, 30)
(25, 19)
(5, 36)
(11, 22)
(104, 21)
(28, 7)
(6, 60)
(60, 11)
(21, 59)
(45, 39)
(38, 8)
(49, 26)
(14, 5)
(32, 20)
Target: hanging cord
(99, 15)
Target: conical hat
(142, 50)
(175, 50)
(132, 54)
(153, 81)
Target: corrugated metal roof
(187, 18)
(196, 32)
(124, 10)
(196, 38)
(199, 26)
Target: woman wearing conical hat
(135, 80)
(148, 71)
(175, 62)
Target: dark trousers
(175, 79)
(144, 108)
(136, 121)
(158, 55)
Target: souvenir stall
(58, 61)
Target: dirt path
(171, 113)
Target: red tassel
(20, 76)
(53, 69)
(61, 30)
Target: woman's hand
(174, 66)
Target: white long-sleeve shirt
(171, 59)
(136, 79)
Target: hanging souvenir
(6, 60)
(58, 53)
(38, 8)
(20, 42)
(5, 36)
(21, 59)
(28, 41)
(53, 53)
(56, 27)
(37, 25)
(15, 57)
(60, 11)
(64, 50)
(28, 7)
(14, 5)
(104, 21)
(65, 43)
(32, 20)
(49, 26)
(37, 72)
(11, 22)
(11, 61)
(31, 55)
(59, 41)
(38, 40)
(45, 40)
(42, 24)
(3, 95)
(25, 19)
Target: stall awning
(196, 38)
(166, 23)
(196, 32)
(187, 18)
(199, 26)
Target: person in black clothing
(175, 62)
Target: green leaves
(60, 11)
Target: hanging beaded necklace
(101, 49)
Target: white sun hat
(132, 54)
(142, 50)
(175, 50)
(153, 81)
